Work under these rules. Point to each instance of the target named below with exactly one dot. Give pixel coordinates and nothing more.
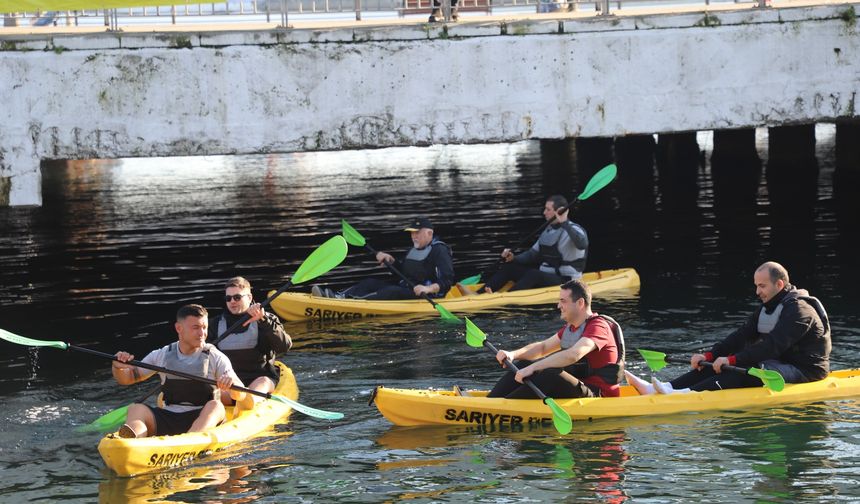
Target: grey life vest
(416, 266)
(243, 349)
(182, 391)
(611, 373)
(552, 257)
(767, 321)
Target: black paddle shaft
(397, 272)
(514, 368)
(726, 367)
(525, 241)
(160, 369)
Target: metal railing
(264, 10)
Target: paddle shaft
(160, 369)
(397, 272)
(725, 367)
(246, 317)
(525, 241)
(514, 368)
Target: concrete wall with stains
(126, 95)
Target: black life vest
(176, 390)
(551, 255)
(767, 321)
(417, 266)
(245, 349)
(610, 373)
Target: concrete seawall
(127, 95)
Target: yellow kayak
(429, 407)
(295, 306)
(128, 457)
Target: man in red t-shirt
(585, 358)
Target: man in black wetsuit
(556, 257)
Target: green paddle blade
(20, 340)
(307, 410)
(655, 360)
(472, 280)
(353, 237)
(475, 337)
(600, 180)
(560, 419)
(446, 315)
(770, 378)
(322, 260)
(110, 421)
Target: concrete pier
(110, 95)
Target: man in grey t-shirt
(189, 405)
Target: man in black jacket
(253, 347)
(428, 265)
(790, 334)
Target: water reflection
(593, 460)
(195, 484)
(118, 245)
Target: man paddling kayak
(583, 359)
(253, 347)
(789, 334)
(428, 265)
(189, 406)
(557, 256)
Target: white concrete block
(532, 27)
(612, 23)
(474, 29)
(223, 39)
(24, 43)
(167, 40)
(85, 43)
(305, 36)
(391, 33)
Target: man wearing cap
(428, 265)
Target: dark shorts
(550, 381)
(168, 423)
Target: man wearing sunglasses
(251, 348)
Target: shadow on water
(119, 245)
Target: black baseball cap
(418, 223)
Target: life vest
(767, 321)
(416, 266)
(182, 391)
(610, 373)
(552, 257)
(244, 349)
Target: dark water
(119, 245)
